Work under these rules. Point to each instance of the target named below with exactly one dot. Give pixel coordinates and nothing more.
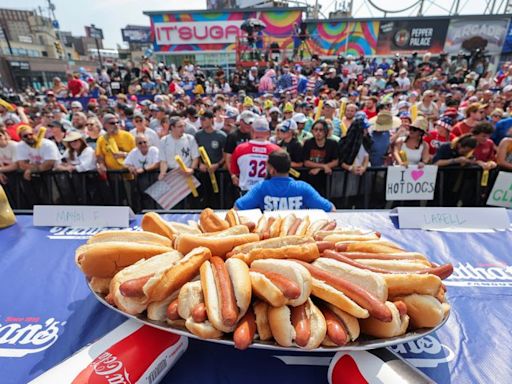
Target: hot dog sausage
(289, 288)
(293, 228)
(266, 232)
(133, 287)
(442, 271)
(172, 310)
(229, 310)
(245, 330)
(362, 297)
(329, 226)
(401, 306)
(302, 324)
(335, 328)
(324, 245)
(199, 313)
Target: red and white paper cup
(378, 366)
(131, 353)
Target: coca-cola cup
(131, 353)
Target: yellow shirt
(124, 141)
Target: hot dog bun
(212, 285)
(143, 268)
(219, 245)
(406, 265)
(191, 294)
(164, 283)
(234, 230)
(100, 285)
(264, 287)
(153, 222)
(339, 237)
(371, 282)
(376, 328)
(105, 259)
(262, 326)
(376, 246)
(349, 323)
(406, 284)
(283, 331)
(424, 311)
(131, 236)
(272, 243)
(209, 221)
(307, 252)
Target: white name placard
(451, 217)
(501, 194)
(411, 183)
(81, 216)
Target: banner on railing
(411, 183)
(501, 194)
(172, 189)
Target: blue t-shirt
(281, 193)
(501, 130)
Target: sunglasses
(114, 122)
(142, 142)
(27, 135)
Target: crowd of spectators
(353, 113)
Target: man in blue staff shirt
(281, 192)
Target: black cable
(399, 11)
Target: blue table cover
(47, 311)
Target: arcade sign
(198, 32)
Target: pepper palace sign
(197, 32)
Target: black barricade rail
(455, 186)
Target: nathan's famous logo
(20, 336)
(467, 275)
(426, 352)
(72, 233)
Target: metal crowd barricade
(455, 186)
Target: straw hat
(73, 136)
(420, 123)
(385, 121)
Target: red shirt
(461, 128)
(434, 140)
(12, 130)
(484, 152)
(370, 114)
(75, 87)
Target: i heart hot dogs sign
(411, 183)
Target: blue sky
(112, 15)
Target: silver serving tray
(362, 344)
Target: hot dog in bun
(227, 291)
(305, 325)
(153, 222)
(280, 282)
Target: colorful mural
(335, 38)
(217, 26)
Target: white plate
(361, 345)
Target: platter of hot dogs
(285, 282)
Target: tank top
(508, 155)
(413, 155)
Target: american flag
(171, 190)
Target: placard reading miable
(452, 217)
(81, 216)
(411, 183)
(501, 194)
